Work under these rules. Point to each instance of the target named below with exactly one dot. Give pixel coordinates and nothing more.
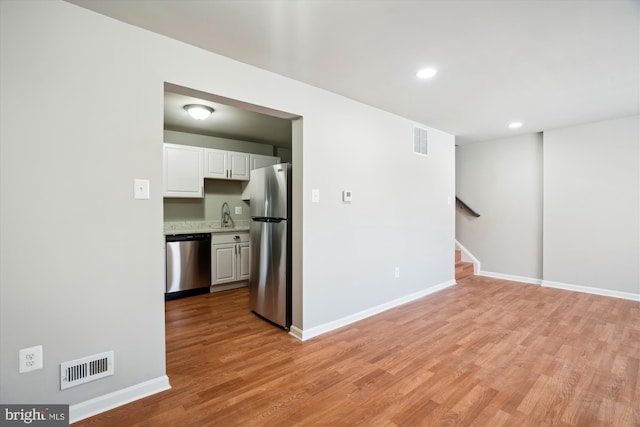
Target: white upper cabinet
(238, 166)
(215, 163)
(221, 164)
(259, 161)
(182, 171)
(185, 168)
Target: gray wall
(208, 208)
(81, 261)
(581, 232)
(591, 200)
(502, 181)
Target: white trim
(468, 257)
(103, 403)
(589, 290)
(305, 334)
(522, 279)
(296, 332)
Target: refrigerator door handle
(266, 219)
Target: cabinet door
(243, 261)
(259, 161)
(182, 171)
(238, 166)
(215, 163)
(223, 263)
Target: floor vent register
(90, 368)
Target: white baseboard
(296, 332)
(588, 290)
(522, 279)
(100, 404)
(306, 334)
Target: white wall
(502, 181)
(592, 213)
(81, 261)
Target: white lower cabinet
(243, 260)
(229, 260)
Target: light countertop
(187, 227)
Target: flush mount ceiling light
(198, 112)
(426, 73)
(515, 125)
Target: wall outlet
(397, 272)
(30, 358)
(238, 210)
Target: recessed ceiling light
(515, 125)
(198, 112)
(426, 73)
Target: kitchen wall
(592, 207)
(502, 181)
(284, 154)
(209, 208)
(85, 275)
(207, 141)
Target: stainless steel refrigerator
(270, 243)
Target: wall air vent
(420, 141)
(80, 371)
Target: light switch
(347, 196)
(141, 189)
(315, 196)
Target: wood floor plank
(486, 352)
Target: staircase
(463, 269)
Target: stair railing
(466, 207)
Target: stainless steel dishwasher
(188, 265)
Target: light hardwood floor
(485, 352)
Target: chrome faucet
(226, 219)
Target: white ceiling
(546, 63)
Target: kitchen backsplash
(207, 209)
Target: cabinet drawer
(222, 238)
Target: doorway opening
(239, 127)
